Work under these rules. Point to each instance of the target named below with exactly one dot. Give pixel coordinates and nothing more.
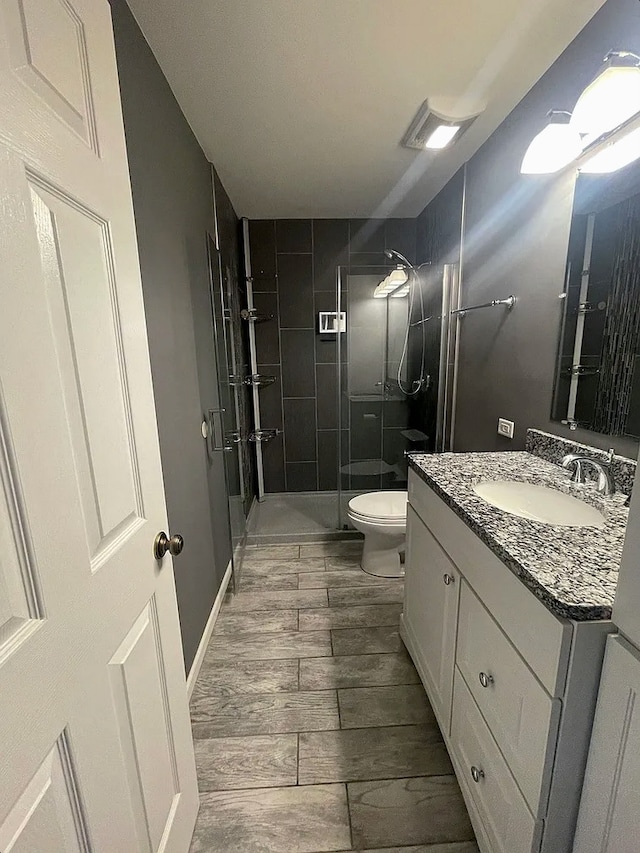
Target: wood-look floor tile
(456, 847)
(256, 621)
(350, 548)
(331, 578)
(363, 641)
(271, 713)
(267, 582)
(349, 617)
(272, 552)
(423, 810)
(286, 600)
(275, 567)
(406, 704)
(260, 761)
(387, 593)
(239, 677)
(336, 563)
(309, 819)
(293, 644)
(381, 753)
(357, 671)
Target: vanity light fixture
(554, 147)
(431, 130)
(614, 156)
(611, 99)
(392, 282)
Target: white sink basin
(539, 503)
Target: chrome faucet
(577, 461)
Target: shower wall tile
(326, 378)
(271, 398)
(301, 476)
(273, 464)
(300, 430)
(294, 235)
(267, 333)
(400, 234)
(330, 249)
(366, 235)
(295, 291)
(327, 459)
(369, 259)
(298, 362)
(366, 430)
(294, 268)
(262, 239)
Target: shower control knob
(162, 544)
(448, 579)
(485, 680)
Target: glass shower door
(225, 433)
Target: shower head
(391, 254)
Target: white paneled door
(95, 743)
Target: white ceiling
(301, 104)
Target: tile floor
(312, 730)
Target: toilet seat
(381, 507)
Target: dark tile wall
(293, 264)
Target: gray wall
(172, 199)
(293, 264)
(516, 238)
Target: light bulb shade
(611, 99)
(400, 291)
(614, 156)
(553, 148)
(393, 281)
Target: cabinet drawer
(508, 822)
(519, 712)
(542, 638)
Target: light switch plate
(505, 427)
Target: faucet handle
(610, 456)
(574, 461)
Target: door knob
(477, 774)
(163, 544)
(485, 679)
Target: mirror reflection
(598, 371)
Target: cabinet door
(609, 819)
(432, 590)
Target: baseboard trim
(208, 631)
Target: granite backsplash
(553, 448)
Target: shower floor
(298, 517)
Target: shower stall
(352, 355)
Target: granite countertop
(572, 570)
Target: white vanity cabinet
(430, 611)
(513, 686)
(608, 821)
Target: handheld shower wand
(422, 381)
(391, 254)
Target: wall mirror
(598, 371)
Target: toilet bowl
(382, 517)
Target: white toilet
(382, 517)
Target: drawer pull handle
(477, 774)
(448, 579)
(485, 680)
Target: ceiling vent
(431, 130)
